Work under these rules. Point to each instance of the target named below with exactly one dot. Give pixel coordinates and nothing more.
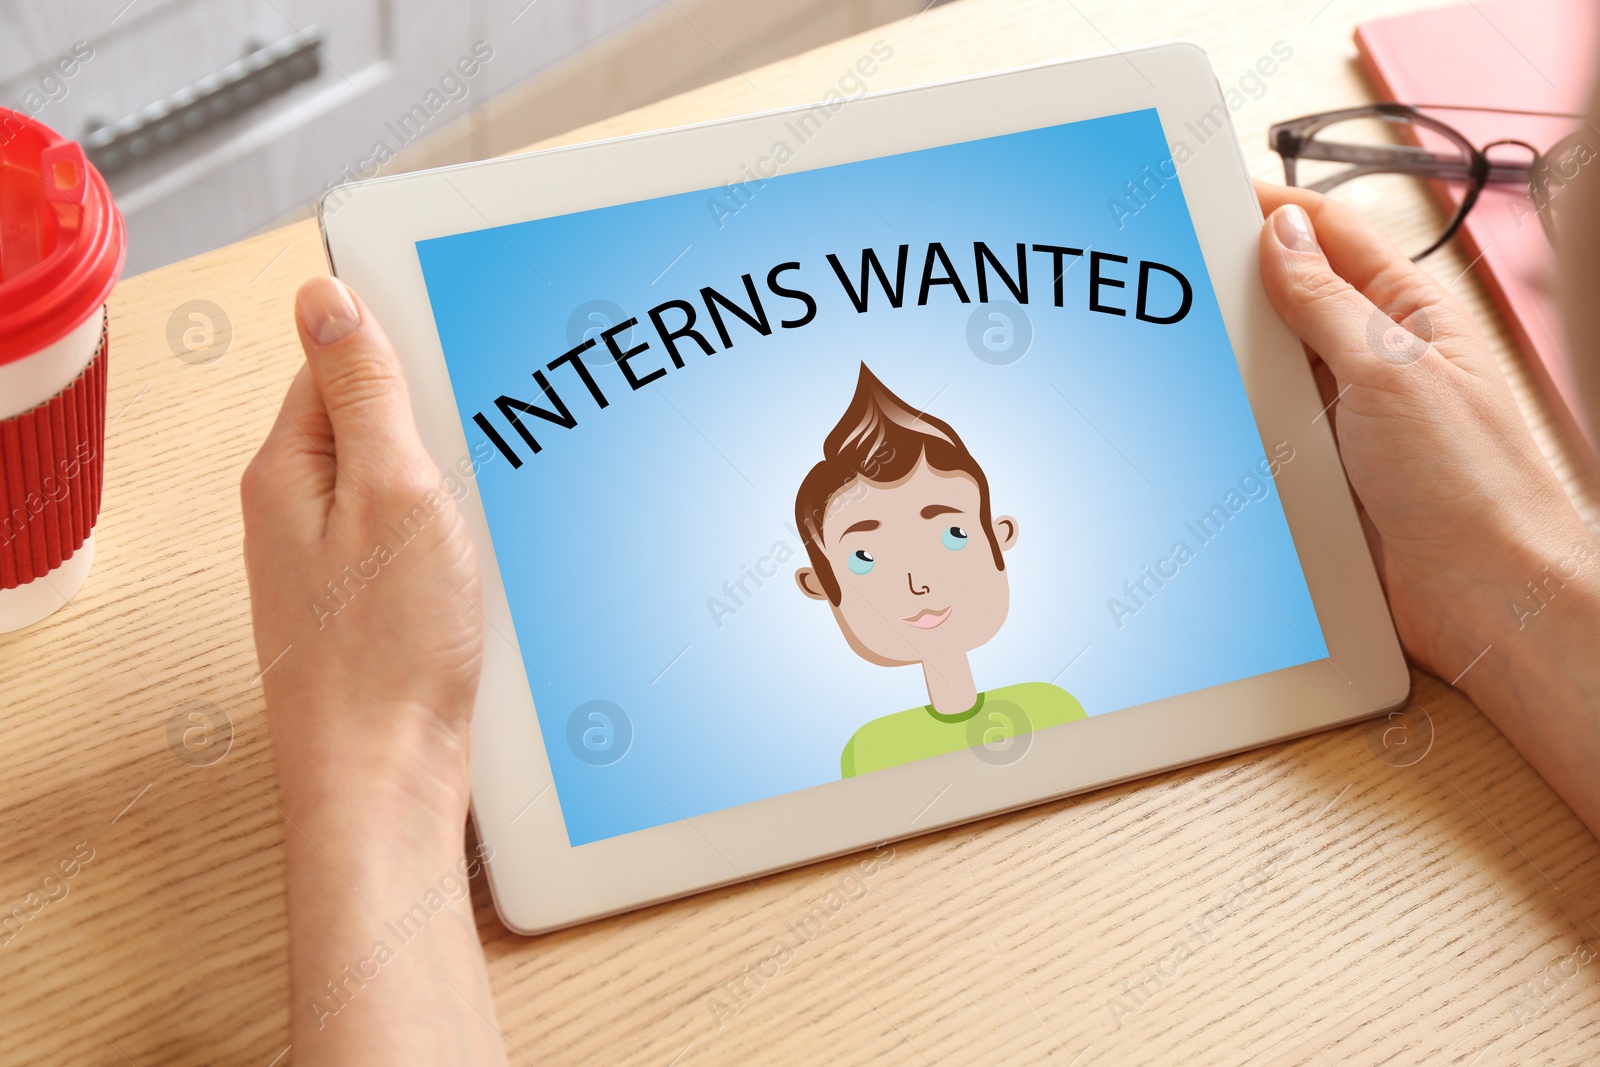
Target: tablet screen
(824, 471)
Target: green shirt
(918, 733)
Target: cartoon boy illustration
(902, 545)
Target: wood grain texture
(1331, 907)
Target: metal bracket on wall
(262, 74)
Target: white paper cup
(61, 248)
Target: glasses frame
(1297, 139)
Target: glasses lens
(1555, 175)
(1391, 172)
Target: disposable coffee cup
(62, 245)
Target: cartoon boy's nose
(915, 589)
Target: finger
(302, 424)
(359, 381)
(292, 476)
(1360, 254)
(1359, 341)
(1272, 197)
(1378, 269)
(301, 438)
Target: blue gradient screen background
(1104, 440)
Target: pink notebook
(1534, 54)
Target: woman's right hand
(1461, 509)
(1492, 576)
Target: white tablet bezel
(541, 883)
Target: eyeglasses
(1393, 151)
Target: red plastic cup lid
(61, 238)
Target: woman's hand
(364, 585)
(1491, 575)
(1461, 507)
(364, 593)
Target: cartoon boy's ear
(1005, 530)
(806, 578)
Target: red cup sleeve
(51, 462)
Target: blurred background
(215, 119)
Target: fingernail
(325, 307)
(1293, 227)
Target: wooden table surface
(1426, 902)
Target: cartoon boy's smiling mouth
(927, 619)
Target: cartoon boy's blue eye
(860, 561)
(954, 537)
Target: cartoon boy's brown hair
(879, 440)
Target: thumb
(1358, 340)
(357, 376)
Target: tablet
(846, 472)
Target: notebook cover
(1533, 54)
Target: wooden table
(1411, 910)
